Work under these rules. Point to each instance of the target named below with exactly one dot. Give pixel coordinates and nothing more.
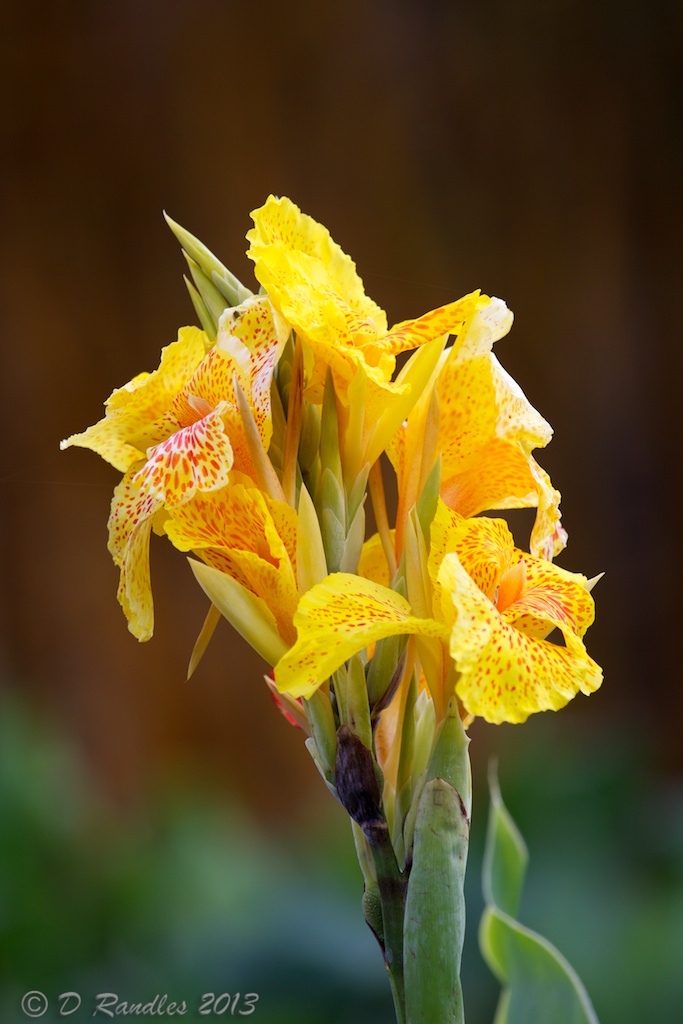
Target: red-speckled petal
(235, 531)
(336, 619)
(443, 535)
(446, 319)
(276, 585)
(551, 596)
(196, 458)
(252, 335)
(130, 523)
(488, 430)
(485, 548)
(506, 675)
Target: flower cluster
(254, 446)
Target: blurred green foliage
(194, 897)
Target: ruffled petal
(506, 675)
(294, 253)
(488, 430)
(336, 619)
(486, 550)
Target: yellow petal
(335, 620)
(253, 334)
(446, 319)
(290, 249)
(373, 563)
(311, 566)
(130, 524)
(488, 430)
(235, 531)
(485, 548)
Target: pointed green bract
(210, 622)
(323, 731)
(214, 301)
(246, 612)
(311, 566)
(227, 284)
(539, 985)
(200, 308)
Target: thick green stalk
(435, 908)
(435, 903)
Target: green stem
(391, 883)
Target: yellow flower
(487, 430)
(500, 604)
(177, 433)
(316, 288)
(492, 608)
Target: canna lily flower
(500, 604)
(492, 608)
(316, 288)
(485, 432)
(177, 433)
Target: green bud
(323, 730)
(333, 539)
(329, 433)
(372, 909)
(435, 908)
(203, 315)
(357, 715)
(226, 283)
(276, 449)
(385, 670)
(428, 500)
(331, 496)
(358, 489)
(353, 545)
(450, 759)
(211, 297)
(309, 441)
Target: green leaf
(539, 985)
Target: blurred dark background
(156, 832)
